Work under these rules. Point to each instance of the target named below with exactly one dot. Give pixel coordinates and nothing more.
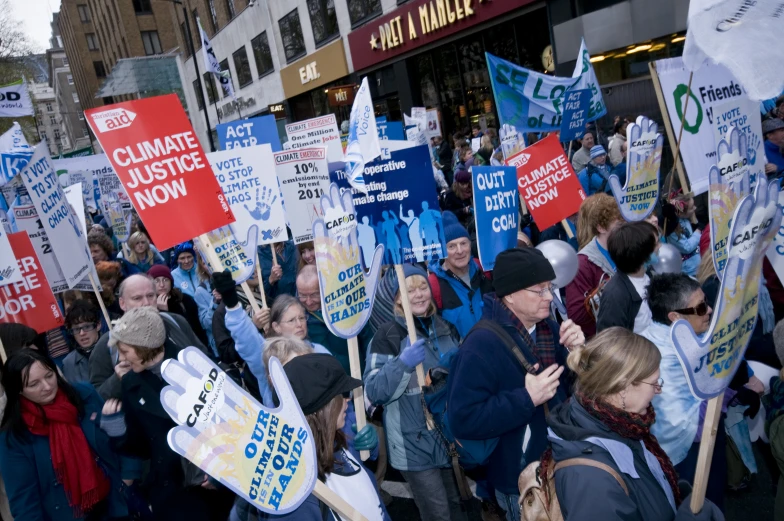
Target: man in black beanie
(511, 368)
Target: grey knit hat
(139, 327)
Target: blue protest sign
(249, 132)
(496, 205)
(391, 130)
(575, 114)
(400, 209)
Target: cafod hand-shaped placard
(729, 182)
(222, 250)
(710, 360)
(265, 456)
(347, 292)
(637, 198)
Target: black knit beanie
(520, 268)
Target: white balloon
(670, 260)
(563, 258)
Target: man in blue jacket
(508, 374)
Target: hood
(572, 425)
(436, 267)
(591, 250)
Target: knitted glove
(366, 439)
(413, 355)
(113, 424)
(224, 284)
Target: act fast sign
(155, 153)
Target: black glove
(709, 512)
(748, 397)
(224, 284)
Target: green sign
(86, 151)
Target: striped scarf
(543, 347)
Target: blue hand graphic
(263, 205)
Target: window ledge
(363, 21)
(265, 74)
(246, 84)
(328, 40)
(297, 57)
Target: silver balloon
(670, 260)
(563, 259)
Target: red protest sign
(547, 182)
(154, 150)
(29, 301)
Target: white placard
(304, 177)
(316, 132)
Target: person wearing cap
(494, 394)
(139, 425)
(460, 198)
(390, 380)
(582, 156)
(106, 370)
(323, 390)
(594, 178)
(185, 275)
(172, 299)
(457, 281)
(773, 133)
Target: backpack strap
(435, 290)
(573, 462)
(507, 339)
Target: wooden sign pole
(336, 502)
(215, 264)
(261, 283)
(359, 392)
(3, 356)
(705, 456)
(100, 299)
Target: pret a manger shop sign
(159, 160)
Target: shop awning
(144, 75)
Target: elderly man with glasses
(511, 369)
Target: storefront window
(362, 10)
(323, 20)
(291, 30)
(453, 110)
(427, 79)
(479, 96)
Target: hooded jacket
(588, 493)
(389, 382)
(186, 280)
(461, 305)
(487, 398)
(595, 179)
(592, 265)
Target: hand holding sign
(637, 198)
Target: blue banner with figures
(575, 114)
(249, 132)
(496, 205)
(400, 209)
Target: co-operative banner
(400, 209)
(304, 177)
(714, 94)
(247, 178)
(249, 132)
(265, 456)
(534, 102)
(711, 360)
(638, 197)
(321, 131)
(155, 152)
(547, 182)
(58, 218)
(30, 300)
(496, 207)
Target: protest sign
(743, 114)
(363, 143)
(15, 100)
(58, 219)
(156, 155)
(400, 209)
(389, 130)
(475, 144)
(96, 167)
(9, 272)
(638, 197)
(575, 114)
(512, 140)
(712, 87)
(14, 153)
(547, 182)
(304, 177)
(321, 131)
(249, 132)
(710, 360)
(496, 207)
(223, 250)
(30, 300)
(73, 194)
(775, 253)
(78, 177)
(534, 102)
(433, 124)
(247, 177)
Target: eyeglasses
(543, 292)
(295, 320)
(657, 387)
(700, 310)
(78, 329)
(309, 296)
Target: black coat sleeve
(615, 307)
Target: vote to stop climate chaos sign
(154, 150)
(29, 301)
(547, 182)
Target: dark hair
(670, 215)
(618, 126)
(16, 374)
(631, 244)
(82, 311)
(16, 337)
(328, 439)
(668, 292)
(476, 126)
(102, 241)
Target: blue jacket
(207, 307)
(487, 397)
(30, 482)
(774, 155)
(288, 261)
(595, 179)
(460, 305)
(186, 280)
(688, 245)
(142, 267)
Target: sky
(36, 15)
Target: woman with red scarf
(608, 421)
(57, 461)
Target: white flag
(363, 146)
(211, 63)
(15, 101)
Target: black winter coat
(618, 304)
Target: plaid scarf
(544, 347)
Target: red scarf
(72, 458)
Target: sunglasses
(700, 310)
(78, 329)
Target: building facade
(47, 117)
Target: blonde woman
(141, 255)
(609, 421)
(390, 380)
